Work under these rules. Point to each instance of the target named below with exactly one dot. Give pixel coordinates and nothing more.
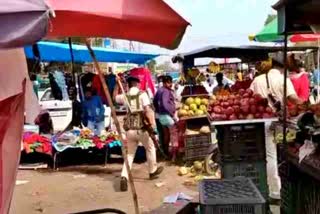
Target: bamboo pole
(117, 124)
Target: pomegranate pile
(240, 105)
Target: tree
(152, 65)
(270, 18)
(166, 67)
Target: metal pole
(72, 61)
(117, 124)
(285, 88)
(318, 73)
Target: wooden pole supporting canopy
(117, 124)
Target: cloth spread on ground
(84, 139)
(33, 142)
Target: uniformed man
(139, 110)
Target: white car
(61, 110)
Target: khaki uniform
(134, 137)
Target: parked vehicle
(61, 110)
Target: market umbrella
(22, 22)
(305, 38)
(269, 33)
(151, 21)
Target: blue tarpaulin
(60, 52)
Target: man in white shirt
(270, 86)
(139, 104)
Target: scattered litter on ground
(21, 182)
(79, 176)
(159, 184)
(34, 166)
(171, 199)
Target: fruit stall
(300, 168)
(237, 119)
(193, 113)
(299, 159)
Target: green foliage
(152, 65)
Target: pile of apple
(240, 105)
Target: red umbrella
(151, 21)
(305, 38)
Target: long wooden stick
(117, 124)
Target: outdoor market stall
(59, 52)
(237, 118)
(300, 186)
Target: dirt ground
(75, 189)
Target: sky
(217, 22)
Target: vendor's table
(58, 149)
(300, 192)
(235, 122)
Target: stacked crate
(243, 153)
(230, 196)
(196, 146)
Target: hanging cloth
(55, 89)
(145, 77)
(111, 82)
(98, 89)
(61, 81)
(85, 82)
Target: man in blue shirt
(93, 112)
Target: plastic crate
(196, 153)
(256, 171)
(242, 142)
(199, 140)
(289, 187)
(230, 196)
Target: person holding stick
(139, 110)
